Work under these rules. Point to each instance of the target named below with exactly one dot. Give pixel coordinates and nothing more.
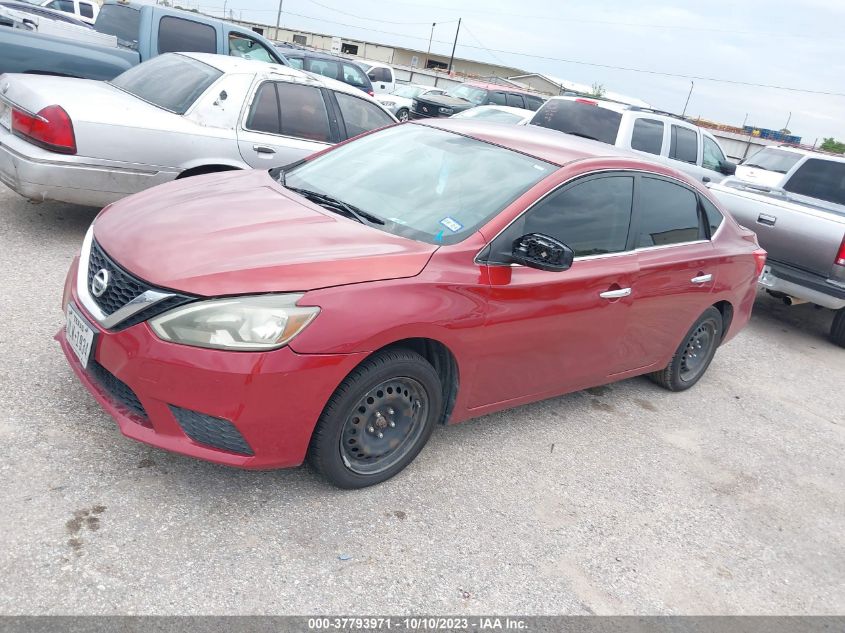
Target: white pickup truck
(801, 224)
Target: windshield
(583, 119)
(121, 21)
(468, 93)
(409, 92)
(169, 81)
(773, 160)
(456, 186)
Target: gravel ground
(625, 499)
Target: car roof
(304, 52)
(548, 145)
(501, 108)
(489, 86)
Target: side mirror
(727, 167)
(542, 252)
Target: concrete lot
(729, 498)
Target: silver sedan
(180, 114)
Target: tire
(837, 330)
(694, 354)
(402, 115)
(377, 420)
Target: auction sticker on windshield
(5, 116)
(80, 335)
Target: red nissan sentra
(423, 274)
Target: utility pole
(224, 9)
(745, 120)
(452, 58)
(431, 37)
(788, 119)
(278, 19)
(691, 86)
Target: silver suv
(665, 138)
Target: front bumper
(41, 175)
(272, 399)
(788, 280)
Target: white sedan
(400, 100)
(180, 114)
(497, 114)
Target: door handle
(702, 279)
(768, 220)
(263, 149)
(615, 294)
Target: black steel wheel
(694, 355)
(378, 419)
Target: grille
(118, 391)
(214, 432)
(123, 287)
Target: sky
(796, 44)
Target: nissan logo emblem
(100, 283)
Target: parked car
(469, 95)
(84, 10)
(41, 12)
(177, 115)
(768, 166)
(341, 309)
(140, 32)
(801, 222)
(382, 75)
(662, 137)
(497, 114)
(399, 101)
(330, 66)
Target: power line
(491, 53)
(360, 17)
(585, 63)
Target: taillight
(840, 256)
(51, 128)
(371, 93)
(759, 260)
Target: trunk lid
(241, 233)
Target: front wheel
(837, 330)
(402, 115)
(378, 419)
(693, 356)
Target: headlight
(445, 110)
(255, 323)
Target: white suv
(663, 137)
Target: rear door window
(324, 67)
(303, 112)
(647, 136)
(515, 100)
(176, 35)
(684, 145)
(579, 118)
(360, 115)
(820, 179)
(667, 214)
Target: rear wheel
(693, 356)
(402, 114)
(837, 330)
(378, 419)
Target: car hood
(446, 102)
(241, 232)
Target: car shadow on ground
(796, 322)
(57, 220)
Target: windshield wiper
(333, 204)
(278, 173)
(592, 138)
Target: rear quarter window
(820, 179)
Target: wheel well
(204, 169)
(727, 311)
(444, 363)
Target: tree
(832, 145)
(597, 90)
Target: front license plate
(5, 116)
(80, 335)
